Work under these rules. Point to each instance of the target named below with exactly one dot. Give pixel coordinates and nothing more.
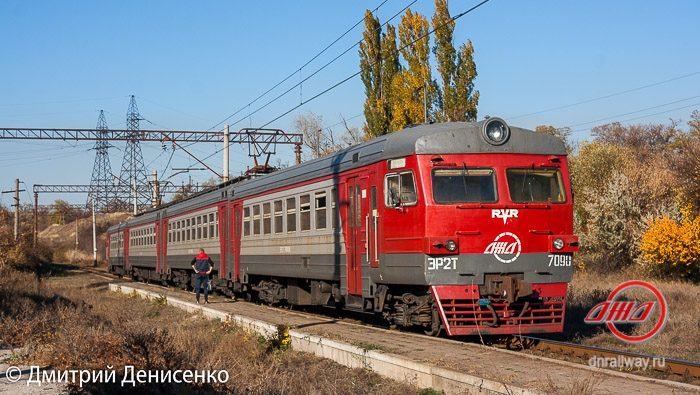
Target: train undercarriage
(405, 307)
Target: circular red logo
(663, 315)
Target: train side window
(216, 222)
(320, 204)
(267, 219)
(291, 215)
(278, 217)
(246, 221)
(400, 189)
(334, 214)
(256, 219)
(304, 212)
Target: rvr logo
(504, 213)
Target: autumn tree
(310, 126)
(563, 133)
(413, 86)
(370, 72)
(466, 98)
(321, 140)
(400, 90)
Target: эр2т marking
(459, 227)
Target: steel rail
(671, 365)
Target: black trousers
(201, 281)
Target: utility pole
(16, 206)
(36, 219)
(226, 142)
(94, 236)
(155, 201)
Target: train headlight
(495, 131)
(558, 244)
(451, 246)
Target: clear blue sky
(191, 64)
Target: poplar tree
(466, 97)
(446, 56)
(413, 82)
(457, 71)
(370, 72)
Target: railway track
(670, 366)
(664, 365)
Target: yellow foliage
(673, 246)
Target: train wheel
(435, 324)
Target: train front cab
(499, 241)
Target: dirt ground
(678, 339)
(71, 321)
(503, 366)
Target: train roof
(428, 139)
(431, 139)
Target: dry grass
(678, 338)
(75, 323)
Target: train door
(358, 208)
(224, 238)
(127, 268)
(163, 245)
(158, 246)
(236, 243)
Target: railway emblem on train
(613, 311)
(505, 247)
(504, 214)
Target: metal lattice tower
(102, 169)
(133, 172)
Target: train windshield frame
(464, 185)
(535, 185)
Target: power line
(606, 96)
(645, 116)
(454, 18)
(318, 71)
(297, 70)
(633, 112)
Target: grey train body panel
(470, 269)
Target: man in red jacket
(202, 266)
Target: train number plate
(559, 260)
(442, 263)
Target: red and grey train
(465, 227)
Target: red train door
(163, 246)
(224, 239)
(236, 244)
(126, 250)
(358, 209)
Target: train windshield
(535, 185)
(464, 186)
